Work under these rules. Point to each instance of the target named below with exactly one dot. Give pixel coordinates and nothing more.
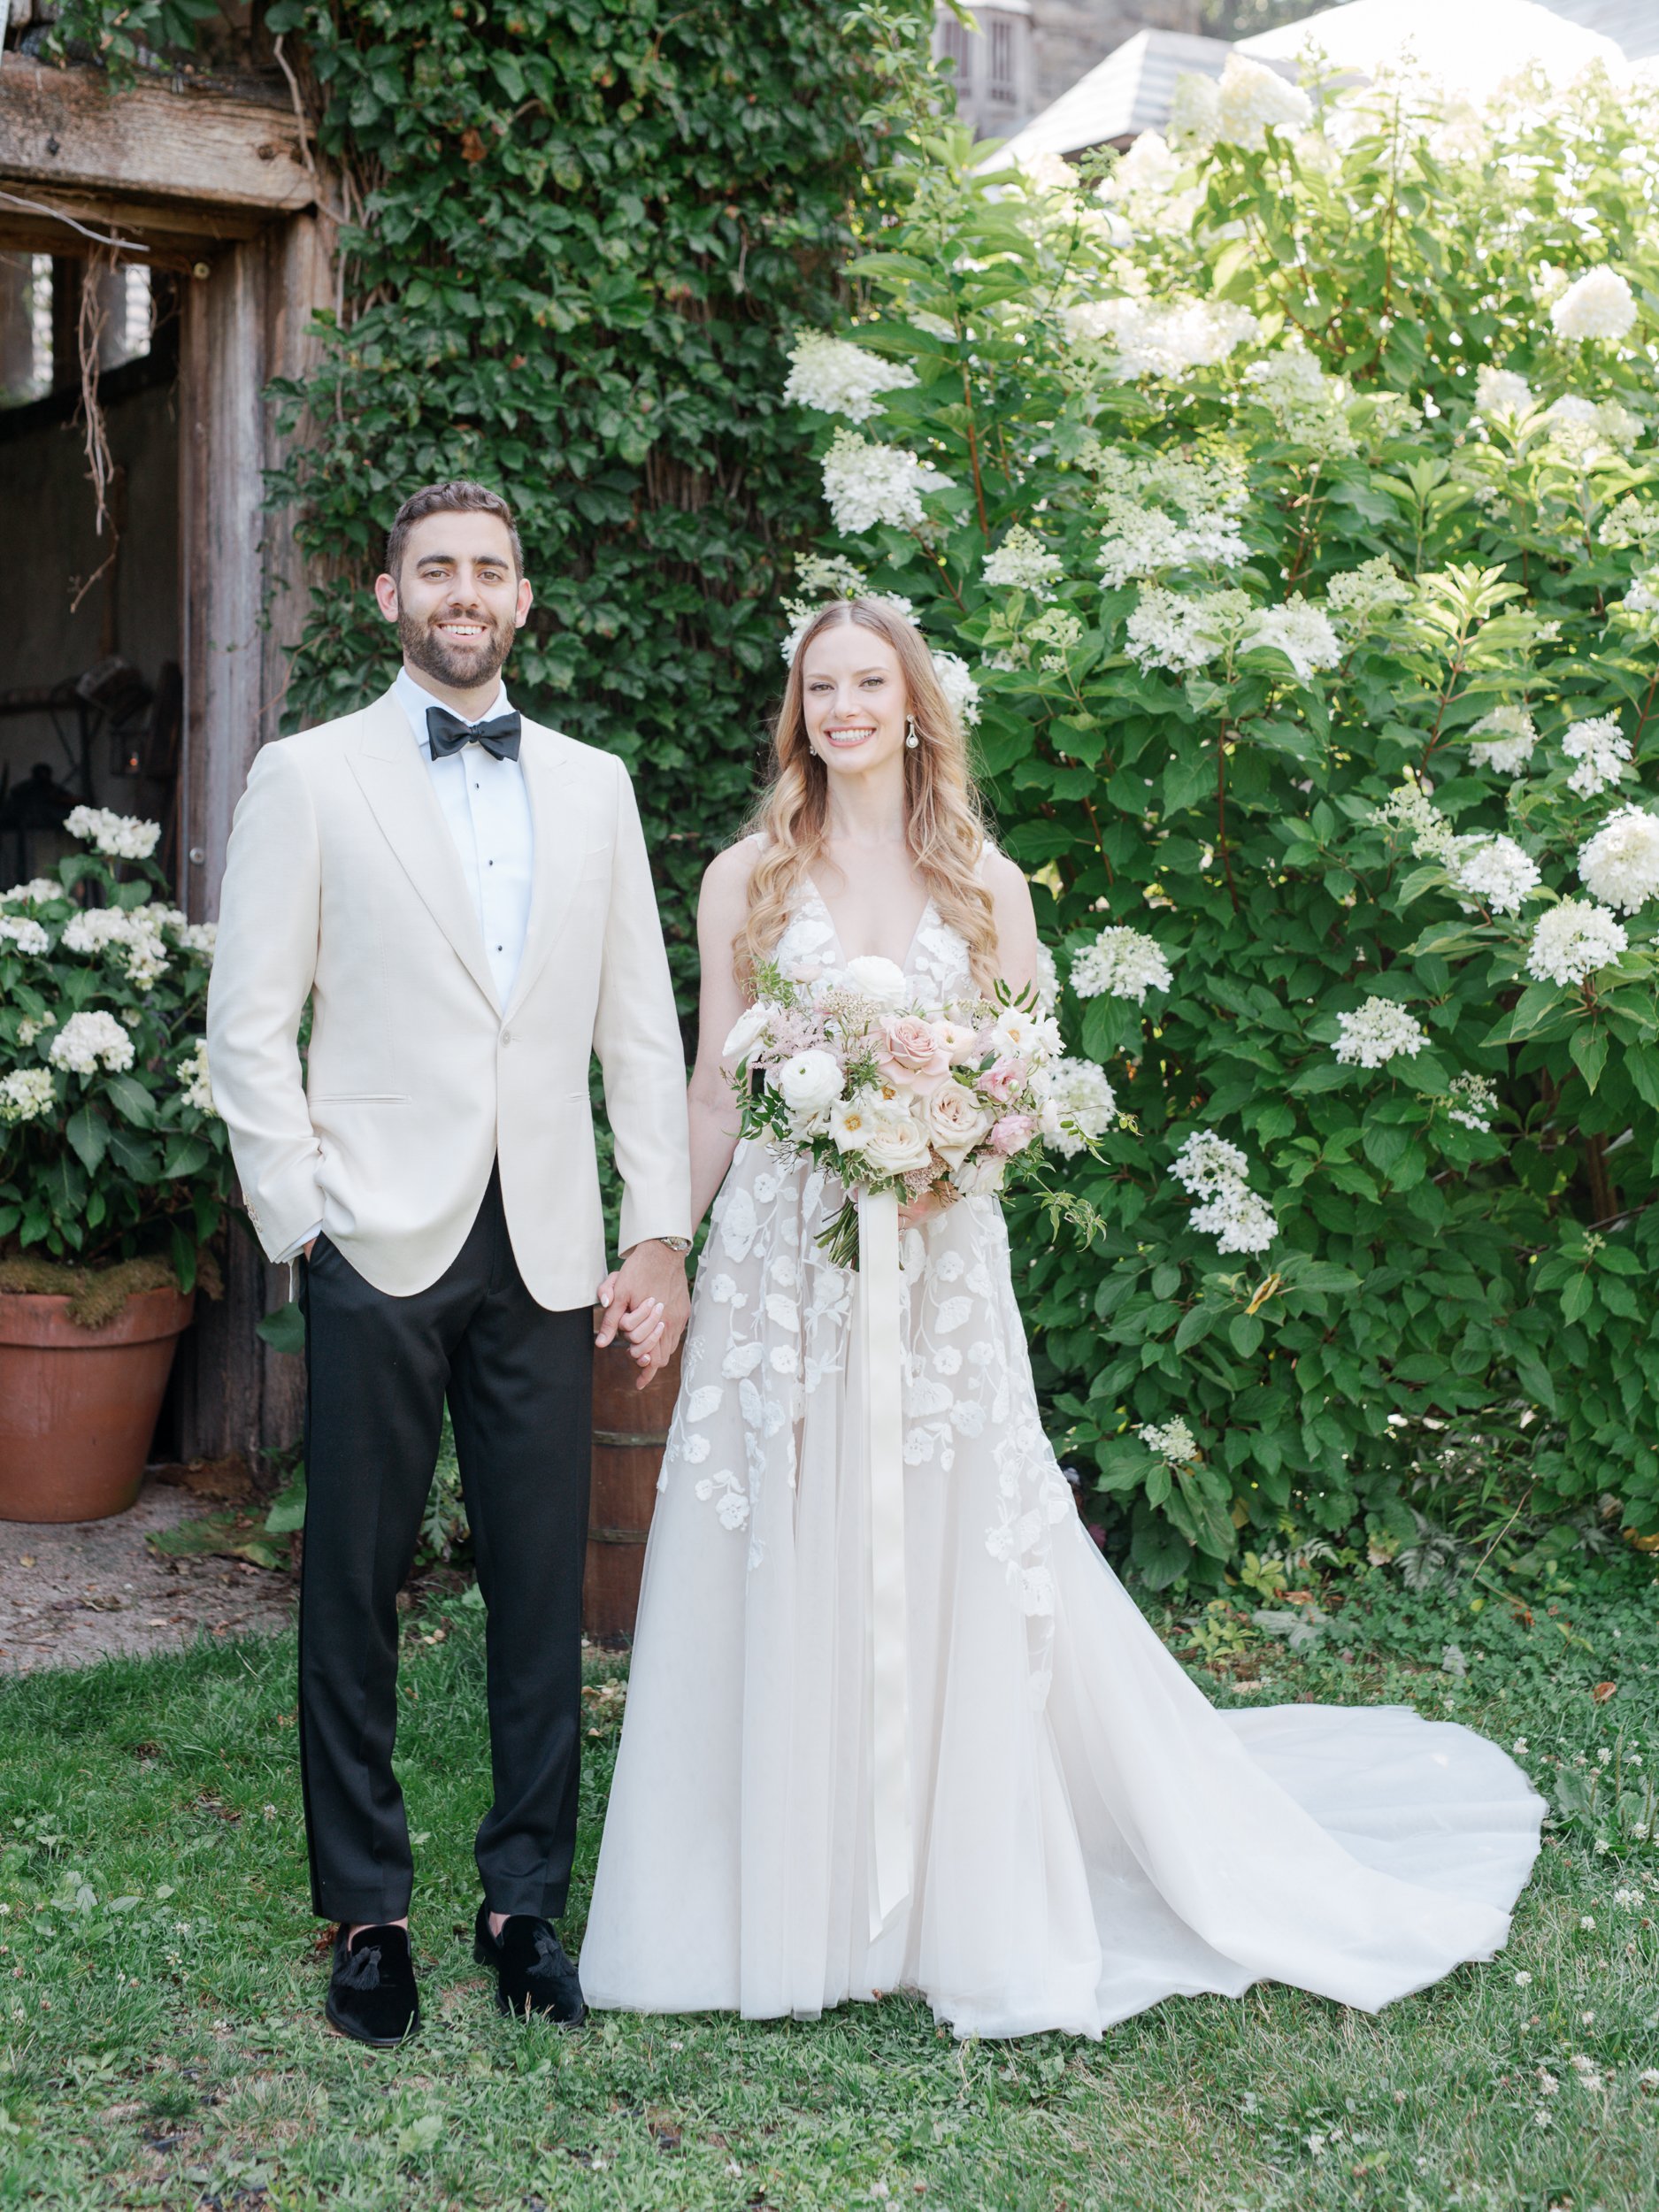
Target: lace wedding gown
(1090, 1835)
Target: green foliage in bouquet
(111, 1155)
(1289, 508)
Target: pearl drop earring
(911, 739)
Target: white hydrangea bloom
(1120, 964)
(1309, 406)
(26, 1094)
(1208, 1167)
(1021, 564)
(135, 938)
(1572, 941)
(1601, 304)
(830, 576)
(194, 1079)
(1583, 434)
(24, 931)
(1078, 1105)
(36, 892)
(1602, 750)
(1503, 740)
(1302, 633)
(1161, 339)
(1472, 1099)
(1060, 631)
(1630, 521)
(117, 836)
(1409, 811)
(1493, 870)
(1206, 1160)
(1170, 630)
(837, 378)
(88, 1039)
(1136, 494)
(1359, 598)
(1378, 1032)
(201, 938)
(867, 484)
(1641, 601)
(1194, 111)
(1237, 1219)
(1620, 863)
(1173, 1442)
(1250, 101)
(957, 681)
(1145, 188)
(1501, 392)
(1047, 978)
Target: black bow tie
(447, 734)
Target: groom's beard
(461, 666)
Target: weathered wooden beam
(66, 127)
(37, 218)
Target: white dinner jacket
(343, 884)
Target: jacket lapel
(397, 784)
(558, 824)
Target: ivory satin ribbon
(887, 1637)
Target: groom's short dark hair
(459, 496)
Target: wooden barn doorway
(168, 246)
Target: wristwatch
(678, 1245)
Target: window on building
(1004, 84)
(956, 44)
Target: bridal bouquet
(948, 1102)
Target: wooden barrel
(630, 1431)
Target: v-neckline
(903, 965)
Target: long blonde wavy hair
(943, 818)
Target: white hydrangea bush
(1310, 599)
(110, 1146)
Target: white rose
(880, 979)
(808, 1082)
(955, 1120)
(896, 1142)
(748, 1026)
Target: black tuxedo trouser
(519, 1382)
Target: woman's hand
(917, 1211)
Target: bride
(1088, 1834)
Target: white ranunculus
(879, 979)
(808, 1082)
(1601, 304)
(955, 1120)
(745, 1030)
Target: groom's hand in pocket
(646, 1301)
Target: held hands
(647, 1300)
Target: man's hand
(646, 1299)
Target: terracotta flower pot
(77, 1407)
(630, 1429)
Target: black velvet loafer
(372, 1994)
(533, 1973)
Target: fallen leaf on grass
(1603, 1691)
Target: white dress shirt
(487, 810)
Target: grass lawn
(161, 1981)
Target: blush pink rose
(911, 1054)
(1004, 1080)
(1013, 1133)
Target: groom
(463, 898)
